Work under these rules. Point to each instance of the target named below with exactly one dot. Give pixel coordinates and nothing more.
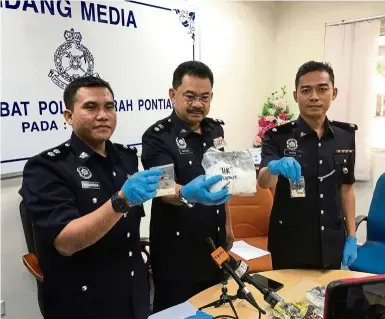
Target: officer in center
(312, 225)
(180, 256)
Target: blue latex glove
(198, 191)
(141, 186)
(350, 251)
(200, 315)
(286, 166)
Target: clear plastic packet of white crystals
(166, 181)
(237, 170)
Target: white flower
(280, 104)
(271, 111)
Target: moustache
(194, 111)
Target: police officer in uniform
(317, 228)
(180, 256)
(84, 197)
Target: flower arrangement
(275, 112)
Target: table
(296, 283)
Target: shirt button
(130, 254)
(113, 173)
(280, 222)
(94, 200)
(177, 233)
(217, 211)
(344, 160)
(320, 162)
(132, 273)
(322, 212)
(128, 235)
(321, 195)
(319, 144)
(84, 288)
(322, 228)
(204, 144)
(125, 215)
(219, 229)
(190, 162)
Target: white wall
(237, 42)
(300, 33)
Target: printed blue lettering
(112, 16)
(41, 126)
(87, 15)
(14, 109)
(52, 106)
(30, 4)
(112, 21)
(154, 104)
(50, 6)
(123, 105)
(66, 11)
(14, 6)
(131, 19)
(101, 14)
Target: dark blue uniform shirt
(109, 278)
(180, 256)
(309, 232)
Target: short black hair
(192, 68)
(85, 81)
(313, 66)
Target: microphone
(221, 258)
(241, 268)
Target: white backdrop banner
(135, 46)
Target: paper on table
(247, 251)
(181, 311)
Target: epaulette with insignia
(164, 124)
(283, 128)
(57, 152)
(124, 147)
(215, 121)
(344, 125)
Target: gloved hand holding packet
(236, 168)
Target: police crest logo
(181, 143)
(84, 172)
(72, 60)
(292, 144)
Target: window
(380, 80)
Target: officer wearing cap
(180, 257)
(84, 197)
(311, 226)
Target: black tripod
(223, 299)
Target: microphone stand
(223, 299)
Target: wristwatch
(119, 204)
(183, 200)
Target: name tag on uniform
(90, 185)
(185, 151)
(295, 153)
(219, 142)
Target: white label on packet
(219, 142)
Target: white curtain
(352, 50)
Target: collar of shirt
(183, 129)
(304, 129)
(84, 152)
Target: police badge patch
(292, 144)
(72, 60)
(181, 143)
(84, 172)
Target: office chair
(371, 255)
